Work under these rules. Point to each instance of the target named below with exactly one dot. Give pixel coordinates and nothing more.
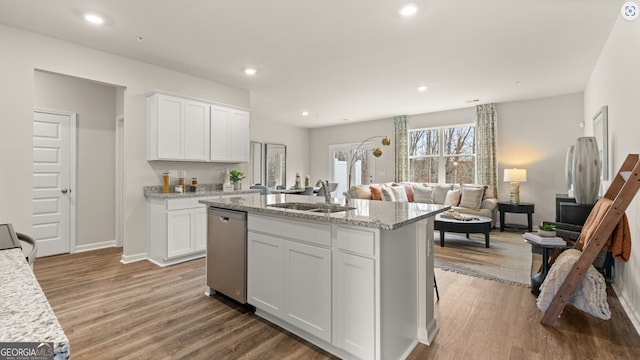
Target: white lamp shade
(515, 175)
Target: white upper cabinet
(196, 128)
(229, 134)
(191, 130)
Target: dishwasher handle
(225, 215)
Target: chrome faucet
(325, 187)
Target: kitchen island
(357, 281)
(25, 314)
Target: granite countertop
(155, 191)
(367, 213)
(25, 313)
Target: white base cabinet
(291, 279)
(337, 286)
(177, 229)
(355, 305)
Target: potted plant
(236, 176)
(547, 230)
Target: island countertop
(367, 213)
(25, 313)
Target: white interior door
(53, 181)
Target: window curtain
(402, 150)
(486, 146)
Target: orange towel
(619, 242)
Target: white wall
(535, 134)
(95, 107)
(22, 53)
(615, 82)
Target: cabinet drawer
(187, 203)
(356, 240)
(310, 232)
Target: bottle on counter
(194, 184)
(297, 185)
(306, 181)
(166, 182)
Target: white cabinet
(177, 229)
(289, 279)
(178, 129)
(307, 288)
(180, 233)
(229, 134)
(355, 314)
(264, 273)
(186, 129)
(200, 228)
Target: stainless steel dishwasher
(227, 253)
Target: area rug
(508, 258)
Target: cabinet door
(219, 133)
(196, 130)
(170, 127)
(180, 232)
(354, 318)
(264, 273)
(307, 288)
(239, 135)
(200, 232)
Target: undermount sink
(316, 208)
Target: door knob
(64, 191)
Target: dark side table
(518, 208)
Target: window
(443, 155)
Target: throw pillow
(452, 198)
(399, 193)
(408, 189)
(440, 193)
(361, 192)
(471, 197)
(423, 194)
(387, 193)
(477, 186)
(376, 192)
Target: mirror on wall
(275, 157)
(257, 163)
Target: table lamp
(515, 177)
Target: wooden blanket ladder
(624, 187)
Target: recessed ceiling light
(409, 10)
(94, 19)
(250, 71)
(422, 88)
(305, 113)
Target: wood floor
(141, 311)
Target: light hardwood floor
(140, 311)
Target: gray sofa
(436, 194)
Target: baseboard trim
(633, 316)
(95, 246)
(128, 259)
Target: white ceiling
(347, 59)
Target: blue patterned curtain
(487, 147)
(402, 150)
